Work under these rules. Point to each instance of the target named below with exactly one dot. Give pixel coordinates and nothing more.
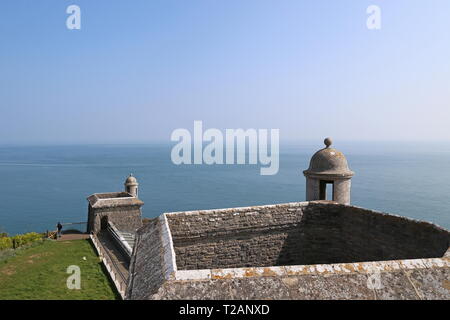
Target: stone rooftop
(303, 250)
(113, 199)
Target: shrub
(19, 240)
(5, 243)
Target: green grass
(39, 272)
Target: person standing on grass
(59, 228)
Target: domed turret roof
(131, 180)
(329, 161)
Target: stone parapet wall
(233, 237)
(370, 235)
(298, 234)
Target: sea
(42, 185)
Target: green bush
(19, 240)
(5, 243)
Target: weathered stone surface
(396, 286)
(431, 284)
(335, 287)
(262, 288)
(194, 290)
(149, 262)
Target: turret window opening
(326, 190)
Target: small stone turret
(131, 186)
(328, 166)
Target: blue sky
(139, 69)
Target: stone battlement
(179, 252)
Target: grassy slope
(39, 272)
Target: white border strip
(170, 262)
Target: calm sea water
(43, 185)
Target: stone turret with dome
(328, 167)
(131, 185)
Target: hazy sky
(139, 69)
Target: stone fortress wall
(120, 208)
(298, 234)
(124, 218)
